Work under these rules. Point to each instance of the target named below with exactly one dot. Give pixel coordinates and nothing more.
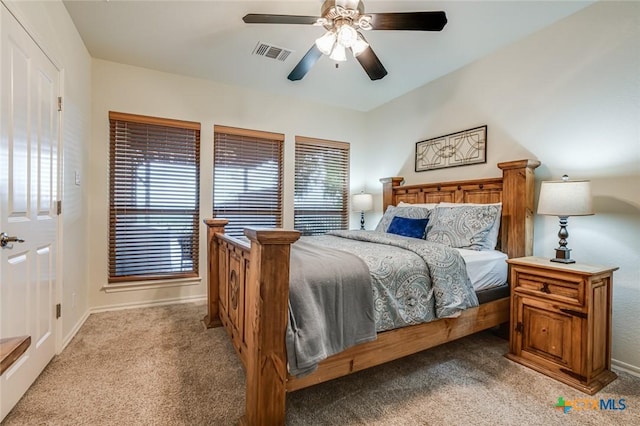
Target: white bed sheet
(486, 268)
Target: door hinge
(59, 103)
(59, 207)
(519, 327)
(58, 310)
(574, 313)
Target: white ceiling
(209, 40)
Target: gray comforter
(410, 281)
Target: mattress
(486, 268)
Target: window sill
(151, 284)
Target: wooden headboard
(514, 190)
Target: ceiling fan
(344, 20)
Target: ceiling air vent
(271, 51)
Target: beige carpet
(159, 366)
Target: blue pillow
(407, 227)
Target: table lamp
(362, 203)
(565, 198)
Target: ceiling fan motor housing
(334, 16)
(329, 8)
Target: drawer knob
(545, 288)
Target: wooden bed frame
(248, 291)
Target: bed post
(214, 226)
(518, 179)
(387, 190)
(267, 302)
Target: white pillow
(429, 206)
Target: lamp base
(563, 255)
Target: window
(247, 178)
(322, 184)
(154, 198)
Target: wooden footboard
(250, 280)
(248, 293)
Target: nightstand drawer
(562, 289)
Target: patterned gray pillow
(465, 227)
(408, 212)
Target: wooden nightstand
(561, 320)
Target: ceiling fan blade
(305, 64)
(258, 18)
(409, 21)
(371, 64)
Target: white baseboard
(67, 339)
(627, 368)
(133, 305)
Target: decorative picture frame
(452, 150)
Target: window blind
(247, 181)
(321, 186)
(154, 198)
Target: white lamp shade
(326, 42)
(338, 53)
(362, 202)
(359, 46)
(347, 35)
(565, 198)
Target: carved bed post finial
(214, 226)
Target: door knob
(5, 240)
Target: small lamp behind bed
(563, 199)
(362, 203)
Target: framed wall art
(455, 149)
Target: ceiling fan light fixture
(347, 35)
(326, 42)
(359, 46)
(339, 54)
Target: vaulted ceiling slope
(209, 40)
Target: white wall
(50, 25)
(124, 88)
(568, 96)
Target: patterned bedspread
(413, 280)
